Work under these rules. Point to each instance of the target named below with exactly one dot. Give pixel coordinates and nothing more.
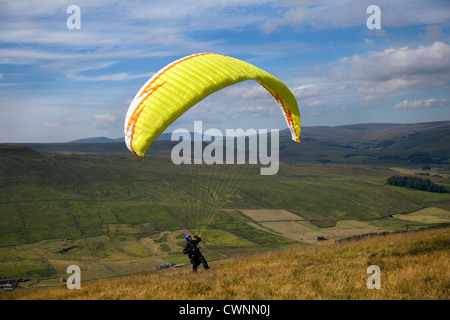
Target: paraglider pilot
(193, 251)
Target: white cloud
(403, 61)
(17, 56)
(258, 111)
(120, 24)
(368, 42)
(323, 14)
(428, 103)
(370, 98)
(391, 85)
(77, 74)
(248, 91)
(106, 121)
(397, 68)
(314, 104)
(52, 124)
(110, 77)
(105, 117)
(306, 91)
(319, 15)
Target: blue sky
(58, 84)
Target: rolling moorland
(377, 144)
(113, 214)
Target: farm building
(8, 284)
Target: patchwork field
(297, 228)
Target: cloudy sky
(59, 84)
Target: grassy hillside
(116, 214)
(412, 265)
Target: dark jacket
(191, 247)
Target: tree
(416, 184)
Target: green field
(116, 214)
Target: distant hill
(97, 140)
(371, 143)
(89, 147)
(369, 135)
(163, 136)
(419, 143)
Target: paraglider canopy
(183, 83)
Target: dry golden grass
(427, 215)
(413, 266)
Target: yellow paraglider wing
(185, 82)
